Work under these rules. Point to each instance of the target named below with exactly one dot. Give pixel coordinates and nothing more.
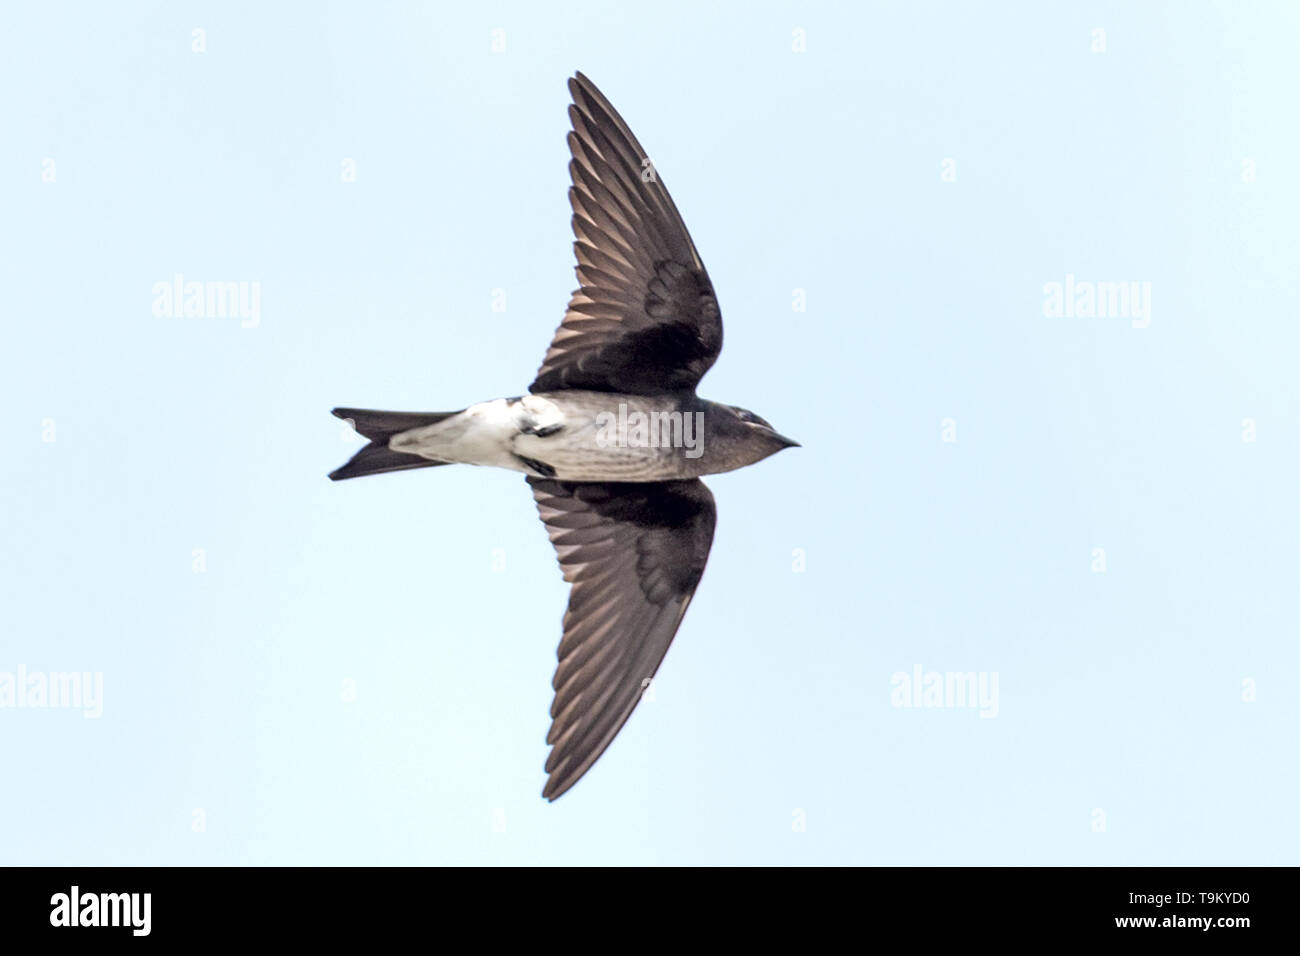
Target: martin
(630, 519)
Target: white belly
(502, 433)
(480, 435)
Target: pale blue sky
(1119, 692)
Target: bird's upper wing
(634, 554)
(645, 320)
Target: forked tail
(377, 458)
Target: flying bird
(612, 436)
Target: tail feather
(377, 458)
(381, 426)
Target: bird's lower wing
(634, 554)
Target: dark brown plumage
(645, 320)
(634, 554)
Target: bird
(612, 437)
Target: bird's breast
(609, 437)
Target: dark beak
(787, 442)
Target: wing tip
(584, 92)
(558, 783)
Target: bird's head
(756, 432)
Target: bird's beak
(787, 442)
